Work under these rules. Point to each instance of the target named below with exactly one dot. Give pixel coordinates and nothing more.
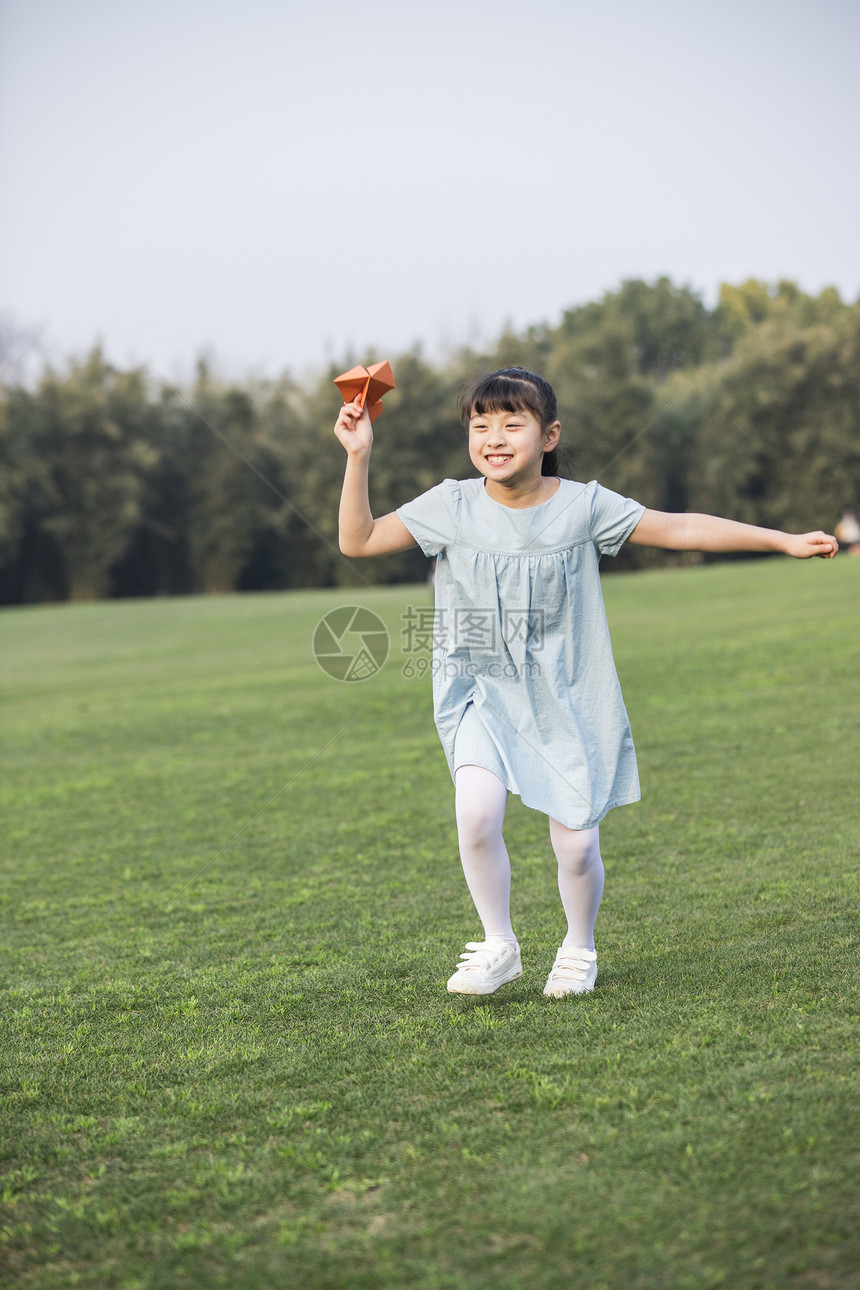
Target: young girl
(525, 694)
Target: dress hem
(611, 805)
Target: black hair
(514, 389)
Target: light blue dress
(524, 681)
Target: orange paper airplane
(366, 386)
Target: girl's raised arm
(691, 532)
(359, 534)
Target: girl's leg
(580, 880)
(480, 803)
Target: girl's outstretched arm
(358, 532)
(690, 532)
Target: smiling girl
(525, 694)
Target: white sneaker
(485, 966)
(573, 972)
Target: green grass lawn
(231, 899)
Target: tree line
(114, 483)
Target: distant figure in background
(847, 532)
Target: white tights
(480, 802)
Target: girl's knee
(477, 824)
(577, 850)
(479, 805)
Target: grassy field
(231, 898)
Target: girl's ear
(551, 436)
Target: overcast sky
(278, 182)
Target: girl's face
(508, 447)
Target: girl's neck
(522, 496)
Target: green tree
(670, 325)
(108, 486)
(605, 404)
(780, 441)
(11, 481)
(87, 434)
(220, 469)
(296, 534)
(742, 308)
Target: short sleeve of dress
(612, 518)
(432, 518)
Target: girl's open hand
(804, 545)
(353, 429)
